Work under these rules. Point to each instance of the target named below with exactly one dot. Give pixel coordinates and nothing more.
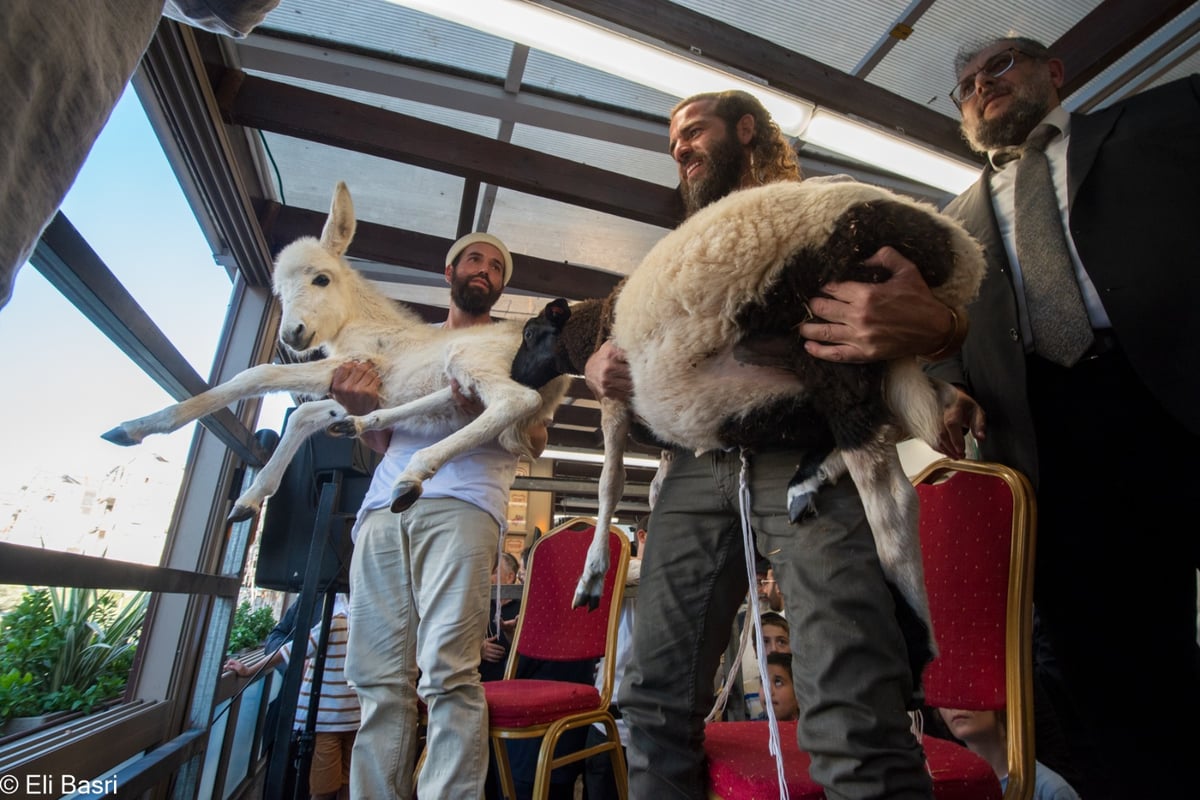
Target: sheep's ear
(339, 228)
(557, 312)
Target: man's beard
(723, 176)
(472, 299)
(1027, 107)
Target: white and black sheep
(707, 322)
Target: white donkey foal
(328, 305)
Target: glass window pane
(61, 486)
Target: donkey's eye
(321, 280)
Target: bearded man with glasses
(1089, 376)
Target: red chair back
(966, 537)
(549, 628)
(978, 524)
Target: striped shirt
(338, 709)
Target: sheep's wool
(720, 260)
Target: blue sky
(65, 382)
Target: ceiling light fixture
(637, 61)
(863, 142)
(584, 457)
(681, 75)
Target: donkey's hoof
(404, 494)
(241, 513)
(343, 428)
(119, 435)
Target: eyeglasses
(996, 66)
(765, 581)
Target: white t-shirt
(481, 476)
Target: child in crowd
(985, 733)
(776, 633)
(776, 639)
(338, 711)
(783, 691)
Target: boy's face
(775, 640)
(783, 695)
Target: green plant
(67, 649)
(250, 628)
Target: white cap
(486, 238)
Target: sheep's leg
(819, 468)
(307, 419)
(311, 377)
(614, 423)
(891, 506)
(916, 399)
(505, 405)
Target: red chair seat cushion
(523, 703)
(741, 767)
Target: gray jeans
(849, 659)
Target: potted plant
(250, 627)
(65, 650)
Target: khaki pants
(419, 600)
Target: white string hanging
(499, 557)
(748, 548)
(735, 670)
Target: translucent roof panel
(1146, 65)
(563, 76)
(635, 162)
(384, 27)
(562, 232)
(384, 191)
(815, 28)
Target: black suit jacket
(1133, 173)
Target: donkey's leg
(311, 377)
(382, 418)
(891, 506)
(614, 423)
(506, 403)
(306, 420)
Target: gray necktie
(1061, 329)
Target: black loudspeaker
(290, 515)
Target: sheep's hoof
(801, 506)
(119, 435)
(404, 494)
(344, 428)
(585, 597)
(241, 513)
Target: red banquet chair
(978, 523)
(549, 629)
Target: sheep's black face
(536, 362)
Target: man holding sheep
(854, 680)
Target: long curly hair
(772, 157)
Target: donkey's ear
(339, 228)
